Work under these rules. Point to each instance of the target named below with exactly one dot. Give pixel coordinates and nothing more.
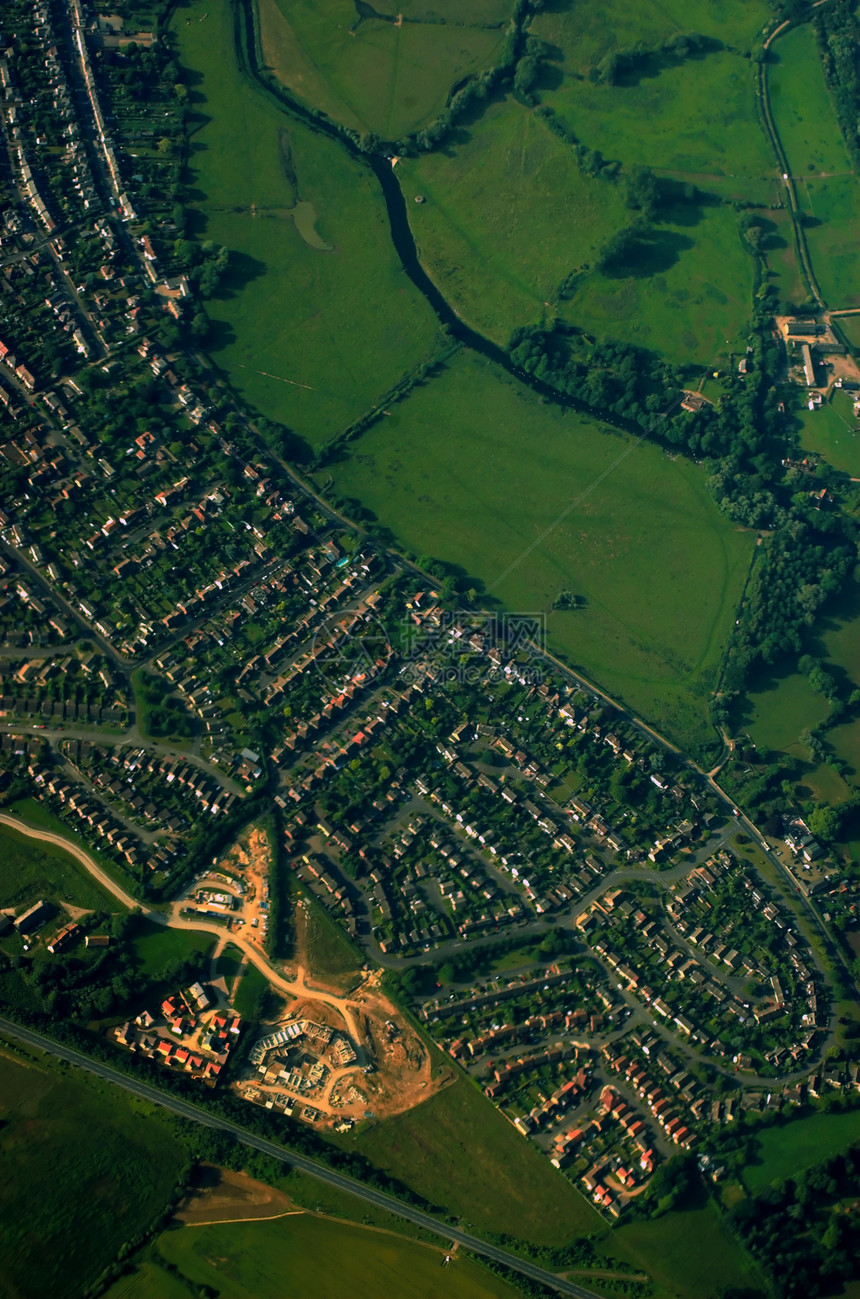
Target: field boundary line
(224, 1222)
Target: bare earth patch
(222, 1195)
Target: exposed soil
(221, 1195)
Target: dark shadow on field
(242, 270)
(550, 76)
(557, 6)
(221, 334)
(635, 66)
(650, 253)
(771, 240)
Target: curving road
(310, 1166)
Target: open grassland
(85, 1169)
(474, 469)
(461, 1153)
(802, 109)
(697, 116)
(40, 817)
(508, 215)
(850, 327)
(374, 75)
(834, 432)
(299, 1256)
(252, 988)
(688, 1253)
(31, 869)
(827, 189)
(587, 33)
(689, 297)
(780, 708)
(310, 326)
(786, 1150)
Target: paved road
(302, 1162)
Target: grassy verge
(30, 869)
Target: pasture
(316, 318)
(156, 947)
(31, 869)
(300, 1255)
(532, 500)
(833, 204)
(86, 1168)
(786, 1150)
(375, 74)
(325, 949)
(507, 215)
(587, 33)
(462, 1154)
(688, 1253)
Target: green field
(329, 954)
(251, 988)
(786, 1150)
(474, 469)
(85, 1169)
(31, 869)
(508, 215)
(850, 327)
(587, 33)
(375, 75)
(834, 432)
(155, 947)
(827, 189)
(38, 815)
(299, 1256)
(460, 1152)
(781, 709)
(310, 335)
(688, 1254)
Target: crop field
(688, 1253)
(316, 318)
(30, 869)
(299, 1255)
(786, 1150)
(474, 469)
(375, 75)
(587, 33)
(85, 1169)
(834, 432)
(460, 1152)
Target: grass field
(786, 1150)
(509, 215)
(850, 327)
(38, 815)
(85, 1169)
(251, 988)
(375, 75)
(474, 469)
(155, 947)
(587, 33)
(827, 189)
(30, 869)
(310, 337)
(460, 1152)
(833, 432)
(327, 951)
(687, 1254)
(782, 707)
(299, 1256)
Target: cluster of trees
(802, 1231)
(838, 34)
(163, 713)
(623, 65)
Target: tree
(825, 822)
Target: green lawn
(309, 335)
(251, 988)
(374, 75)
(781, 708)
(304, 1257)
(474, 469)
(41, 817)
(834, 432)
(85, 1169)
(461, 1153)
(688, 1254)
(155, 947)
(30, 869)
(786, 1150)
